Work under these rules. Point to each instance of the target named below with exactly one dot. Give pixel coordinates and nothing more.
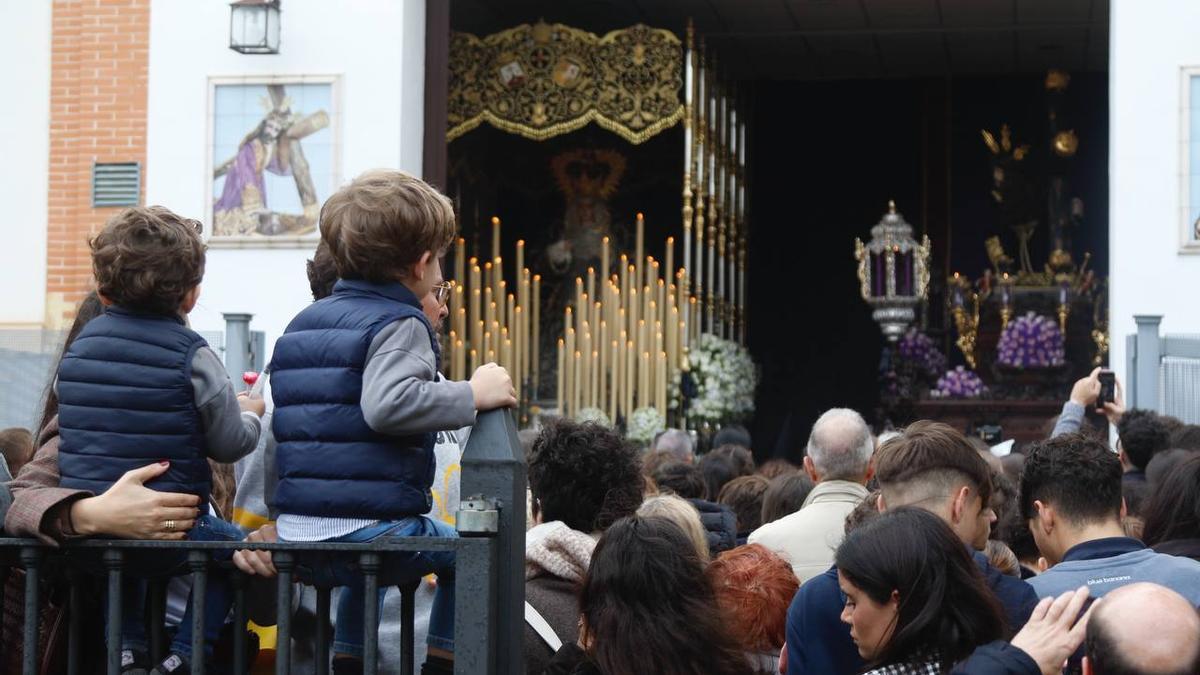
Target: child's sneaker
(174, 663)
(133, 662)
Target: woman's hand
(130, 510)
(257, 562)
(1055, 630)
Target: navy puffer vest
(125, 400)
(330, 462)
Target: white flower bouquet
(725, 378)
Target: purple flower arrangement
(1031, 341)
(916, 349)
(959, 383)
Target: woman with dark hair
(647, 607)
(1173, 512)
(915, 600)
(583, 477)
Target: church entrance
(846, 106)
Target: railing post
(74, 622)
(113, 559)
(31, 558)
(198, 563)
(1149, 359)
(322, 647)
(493, 467)
(237, 344)
(284, 564)
(238, 580)
(368, 564)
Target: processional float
(632, 319)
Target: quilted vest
(125, 400)
(330, 462)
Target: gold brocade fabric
(543, 80)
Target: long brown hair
(649, 608)
(89, 308)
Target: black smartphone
(990, 433)
(1108, 388)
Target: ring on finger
(170, 525)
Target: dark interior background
(846, 113)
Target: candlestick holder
(1064, 305)
(1006, 308)
(968, 331)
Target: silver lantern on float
(893, 270)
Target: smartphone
(990, 433)
(1108, 388)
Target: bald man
(1143, 628)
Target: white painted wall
(376, 47)
(1151, 42)
(24, 171)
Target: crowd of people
(917, 551)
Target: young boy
(357, 405)
(138, 386)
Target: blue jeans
(218, 597)
(403, 568)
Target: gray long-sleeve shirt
(401, 394)
(229, 433)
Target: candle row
(625, 333)
(493, 321)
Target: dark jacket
(571, 660)
(997, 658)
(330, 462)
(557, 601)
(126, 400)
(819, 643)
(1183, 548)
(720, 525)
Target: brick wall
(98, 89)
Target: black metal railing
(489, 576)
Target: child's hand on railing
(257, 563)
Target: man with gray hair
(838, 460)
(677, 442)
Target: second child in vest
(358, 405)
(137, 386)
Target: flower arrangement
(593, 415)
(1031, 341)
(725, 379)
(959, 383)
(644, 424)
(917, 350)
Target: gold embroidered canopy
(543, 80)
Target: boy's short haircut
(933, 454)
(16, 447)
(148, 258)
(383, 222)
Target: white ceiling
(837, 39)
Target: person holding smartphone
(1101, 391)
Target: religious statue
(587, 179)
(1013, 191)
(272, 146)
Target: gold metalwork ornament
(1100, 337)
(543, 80)
(1057, 80)
(1066, 143)
(967, 325)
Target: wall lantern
(254, 26)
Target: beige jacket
(809, 537)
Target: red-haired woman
(754, 588)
